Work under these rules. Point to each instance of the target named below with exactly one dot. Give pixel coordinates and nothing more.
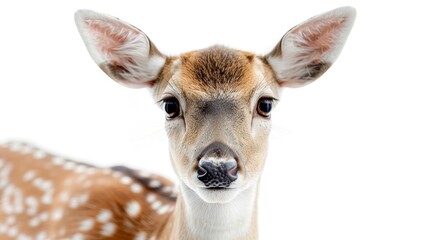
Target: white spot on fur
(133, 208)
(58, 160)
(74, 202)
(154, 183)
(156, 205)
(57, 214)
(12, 200)
(126, 180)
(136, 188)
(86, 224)
(108, 229)
(44, 216)
(10, 220)
(32, 204)
(144, 173)
(4, 175)
(46, 185)
(150, 198)
(41, 236)
(104, 216)
(140, 236)
(39, 154)
(16, 146)
(69, 165)
(12, 232)
(27, 149)
(78, 236)
(38, 182)
(164, 209)
(78, 200)
(29, 175)
(48, 197)
(23, 237)
(34, 222)
(81, 169)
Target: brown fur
(102, 189)
(217, 70)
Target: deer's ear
(306, 51)
(121, 50)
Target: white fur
(218, 221)
(295, 58)
(144, 66)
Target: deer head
(217, 101)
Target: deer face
(217, 101)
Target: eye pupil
(171, 107)
(264, 107)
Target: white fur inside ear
(121, 50)
(307, 50)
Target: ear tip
(81, 13)
(348, 11)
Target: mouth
(218, 188)
(216, 194)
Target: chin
(217, 195)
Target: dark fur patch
(316, 70)
(218, 107)
(115, 71)
(145, 181)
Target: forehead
(216, 71)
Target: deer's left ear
(121, 50)
(306, 51)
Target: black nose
(217, 174)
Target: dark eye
(171, 107)
(264, 106)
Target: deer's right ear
(309, 49)
(121, 50)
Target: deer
(217, 103)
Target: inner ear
(110, 37)
(320, 36)
(121, 50)
(306, 51)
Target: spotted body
(44, 196)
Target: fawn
(218, 104)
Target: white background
(349, 153)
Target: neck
(195, 219)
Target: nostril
(233, 173)
(201, 171)
(231, 169)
